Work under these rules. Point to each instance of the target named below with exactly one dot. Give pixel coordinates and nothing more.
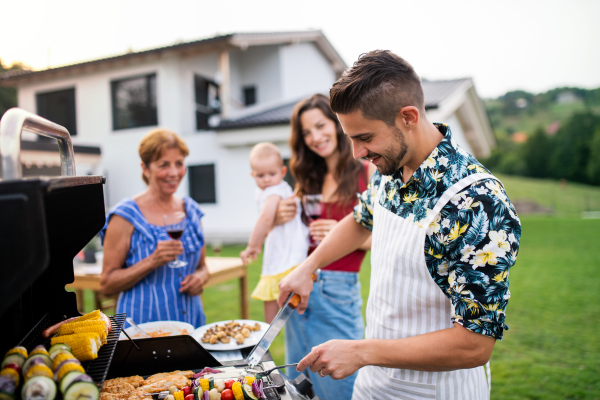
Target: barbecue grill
(44, 223)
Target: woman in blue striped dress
(137, 247)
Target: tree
(572, 143)
(536, 154)
(593, 168)
(8, 96)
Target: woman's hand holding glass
(165, 252)
(320, 228)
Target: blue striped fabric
(156, 297)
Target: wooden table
(221, 269)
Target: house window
(134, 102)
(58, 107)
(202, 183)
(249, 95)
(207, 101)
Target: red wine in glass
(175, 225)
(175, 234)
(313, 208)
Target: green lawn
(567, 200)
(552, 349)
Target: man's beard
(390, 161)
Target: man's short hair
(379, 84)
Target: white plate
(250, 341)
(173, 328)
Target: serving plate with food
(159, 329)
(230, 335)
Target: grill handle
(16, 120)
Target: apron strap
(454, 190)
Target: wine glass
(175, 225)
(313, 208)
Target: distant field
(569, 200)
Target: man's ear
(408, 117)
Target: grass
(569, 199)
(552, 349)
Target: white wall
(279, 72)
(256, 66)
(304, 71)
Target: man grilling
(444, 237)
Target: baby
(286, 245)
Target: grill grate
(96, 369)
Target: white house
(222, 95)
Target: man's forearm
(343, 239)
(445, 350)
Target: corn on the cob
(91, 315)
(38, 370)
(249, 380)
(92, 329)
(203, 385)
(68, 367)
(84, 345)
(87, 326)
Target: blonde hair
(265, 150)
(154, 144)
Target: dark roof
(435, 93)
(273, 116)
(52, 145)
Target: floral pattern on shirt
(470, 245)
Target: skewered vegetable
(237, 390)
(12, 374)
(82, 390)
(178, 395)
(13, 358)
(60, 358)
(67, 366)
(35, 359)
(214, 395)
(39, 388)
(247, 391)
(39, 349)
(204, 385)
(38, 370)
(68, 379)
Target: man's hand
(165, 252)
(249, 254)
(299, 281)
(336, 358)
(193, 284)
(286, 211)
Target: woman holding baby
(322, 163)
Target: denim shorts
(334, 312)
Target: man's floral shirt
(471, 243)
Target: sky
(503, 45)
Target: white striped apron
(405, 301)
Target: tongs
(268, 372)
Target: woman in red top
(322, 163)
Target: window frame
(150, 120)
